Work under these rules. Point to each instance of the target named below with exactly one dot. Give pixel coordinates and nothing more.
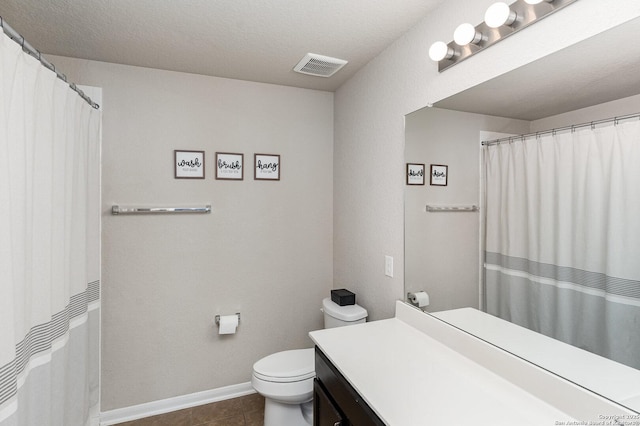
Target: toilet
(285, 378)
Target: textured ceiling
(255, 40)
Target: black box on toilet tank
(343, 297)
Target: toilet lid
(286, 366)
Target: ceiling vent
(318, 65)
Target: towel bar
(118, 210)
(472, 208)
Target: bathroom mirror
(442, 250)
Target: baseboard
(162, 406)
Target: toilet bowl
(285, 378)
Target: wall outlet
(388, 266)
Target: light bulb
(499, 14)
(465, 34)
(439, 51)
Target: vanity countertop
(409, 377)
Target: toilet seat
(286, 366)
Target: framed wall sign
(266, 167)
(229, 165)
(188, 164)
(415, 174)
(439, 175)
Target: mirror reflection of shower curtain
(562, 251)
(49, 246)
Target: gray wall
(441, 249)
(265, 251)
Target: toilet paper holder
(419, 299)
(217, 318)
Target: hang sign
(266, 167)
(189, 164)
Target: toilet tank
(339, 316)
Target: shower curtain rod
(591, 124)
(28, 48)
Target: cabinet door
(324, 412)
(349, 403)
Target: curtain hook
(593, 126)
(615, 121)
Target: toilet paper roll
(228, 324)
(420, 299)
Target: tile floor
(244, 411)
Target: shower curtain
(49, 246)
(562, 251)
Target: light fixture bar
(526, 14)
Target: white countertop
(410, 378)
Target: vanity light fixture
(501, 21)
(465, 34)
(499, 14)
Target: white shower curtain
(49, 246)
(563, 236)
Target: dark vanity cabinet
(335, 401)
